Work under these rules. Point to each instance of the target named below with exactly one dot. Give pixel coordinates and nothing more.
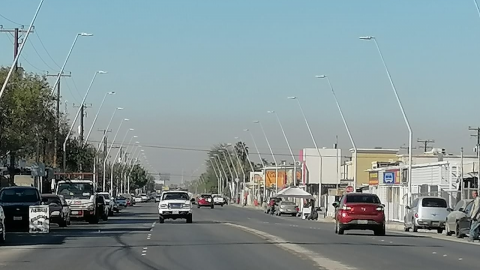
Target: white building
(325, 168)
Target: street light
(476, 5)
(405, 118)
(108, 153)
(57, 80)
(75, 120)
(346, 127)
(108, 126)
(115, 160)
(216, 174)
(320, 170)
(223, 169)
(274, 160)
(289, 148)
(241, 167)
(96, 116)
(256, 147)
(15, 61)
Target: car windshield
(363, 199)
(434, 202)
(106, 196)
(175, 196)
(19, 195)
(75, 190)
(51, 200)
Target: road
(227, 238)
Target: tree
(138, 177)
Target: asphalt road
(133, 240)
(227, 238)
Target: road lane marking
(322, 262)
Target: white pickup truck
(219, 200)
(173, 205)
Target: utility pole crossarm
(425, 144)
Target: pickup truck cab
(80, 196)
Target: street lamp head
(111, 93)
(292, 97)
(126, 119)
(137, 142)
(256, 122)
(101, 72)
(367, 38)
(229, 144)
(142, 150)
(135, 136)
(321, 76)
(131, 129)
(246, 129)
(270, 111)
(119, 108)
(85, 34)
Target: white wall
(331, 164)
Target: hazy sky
(191, 74)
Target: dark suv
(16, 202)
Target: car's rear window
(19, 195)
(434, 202)
(362, 199)
(206, 196)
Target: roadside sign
(349, 189)
(39, 216)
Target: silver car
(457, 221)
(288, 208)
(427, 213)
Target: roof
(175, 191)
(50, 195)
(375, 150)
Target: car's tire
(117, 210)
(221, 204)
(339, 229)
(380, 231)
(189, 219)
(105, 217)
(198, 206)
(212, 206)
(110, 213)
(161, 219)
(414, 227)
(440, 230)
(62, 224)
(294, 215)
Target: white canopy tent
(294, 192)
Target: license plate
(17, 218)
(175, 212)
(75, 213)
(363, 222)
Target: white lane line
(460, 259)
(322, 262)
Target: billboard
(284, 177)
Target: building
(324, 168)
(365, 157)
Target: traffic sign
(388, 177)
(349, 189)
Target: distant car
(287, 208)
(137, 200)
(359, 211)
(427, 212)
(458, 221)
(144, 198)
(16, 202)
(175, 205)
(59, 209)
(122, 202)
(109, 203)
(205, 200)
(219, 200)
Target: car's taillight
(346, 207)
(416, 215)
(380, 208)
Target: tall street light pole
(256, 147)
(108, 127)
(96, 116)
(347, 128)
(115, 160)
(57, 80)
(274, 160)
(216, 174)
(241, 167)
(220, 180)
(15, 61)
(223, 169)
(405, 118)
(289, 148)
(320, 169)
(108, 154)
(75, 119)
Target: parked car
(359, 211)
(137, 200)
(122, 203)
(426, 213)
(458, 222)
(16, 202)
(108, 202)
(144, 198)
(288, 208)
(59, 209)
(219, 200)
(205, 200)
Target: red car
(205, 200)
(360, 211)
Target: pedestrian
(474, 217)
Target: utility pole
(57, 122)
(425, 144)
(477, 148)
(83, 113)
(462, 193)
(17, 38)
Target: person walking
(474, 217)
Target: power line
(44, 47)
(11, 20)
(425, 144)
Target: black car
(59, 209)
(16, 202)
